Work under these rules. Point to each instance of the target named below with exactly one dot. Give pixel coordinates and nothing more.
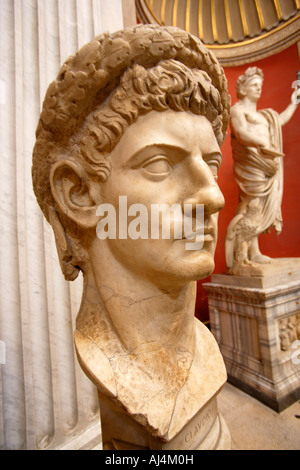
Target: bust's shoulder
(205, 338)
(237, 109)
(95, 363)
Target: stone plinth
(256, 321)
(207, 430)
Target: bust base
(207, 430)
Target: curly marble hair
(84, 114)
(250, 73)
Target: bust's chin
(165, 265)
(193, 266)
(178, 274)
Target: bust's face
(253, 88)
(164, 158)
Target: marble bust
(140, 114)
(258, 169)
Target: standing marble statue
(139, 116)
(258, 169)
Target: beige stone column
(45, 399)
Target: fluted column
(45, 399)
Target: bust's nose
(203, 188)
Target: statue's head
(123, 114)
(250, 83)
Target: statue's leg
(254, 252)
(241, 250)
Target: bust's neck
(139, 313)
(249, 104)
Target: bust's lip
(207, 235)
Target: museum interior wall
(45, 399)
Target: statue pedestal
(207, 430)
(256, 321)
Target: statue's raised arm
(288, 113)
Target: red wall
(279, 74)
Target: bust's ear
(75, 193)
(243, 91)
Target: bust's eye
(157, 166)
(214, 162)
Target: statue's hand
(295, 99)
